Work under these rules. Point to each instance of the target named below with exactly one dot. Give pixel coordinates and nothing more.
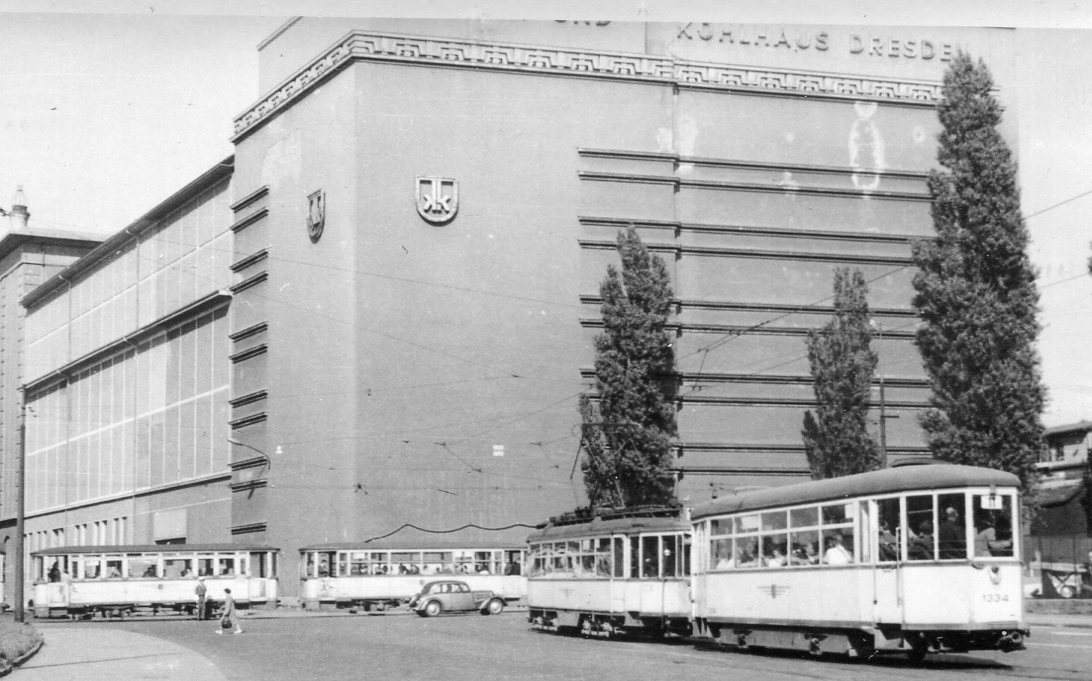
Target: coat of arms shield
(316, 214)
(437, 199)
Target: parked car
(454, 596)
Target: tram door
(882, 519)
(618, 574)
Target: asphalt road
(472, 647)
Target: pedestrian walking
(228, 615)
(200, 591)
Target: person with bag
(229, 618)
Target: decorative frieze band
(449, 52)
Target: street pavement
(83, 652)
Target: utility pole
(20, 511)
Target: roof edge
(222, 169)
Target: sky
(109, 107)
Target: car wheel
(432, 609)
(494, 607)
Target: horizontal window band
(750, 230)
(249, 353)
(687, 377)
(249, 260)
(248, 485)
(250, 198)
(250, 420)
(788, 402)
(249, 398)
(756, 254)
(251, 462)
(249, 282)
(722, 185)
(750, 165)
(249, 528)
(732, 305)
(244, 222)
(252, 330)
(738, 330)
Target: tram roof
(888, 480)
(151, 548)
(600, 526)
(435, 543)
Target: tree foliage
(627, 432)
(975, 291)
(836, 439)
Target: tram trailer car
(386, 573)
(617, 573)
(918, 559)
(83, 581)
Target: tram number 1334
(995, 598)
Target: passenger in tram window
(747, 553)
(952, 536)
(150, 571)
(776, 558)
(921, 544)
(836, 553)
(986, 542)
(55, 572)
(889, 543)
(114, 573)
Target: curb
(10, 665)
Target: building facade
(382, 312)
(127, 381)
(28, 257)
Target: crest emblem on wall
(437, 199)
(316, 214)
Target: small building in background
(1059, 534)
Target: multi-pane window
(149, 416)
(810, 535)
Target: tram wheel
(433, 608)
(917, 652)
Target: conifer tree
(627, 432)
(836, 439)
(975, 291)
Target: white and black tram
(612, 573)
(918, 559)
(83, 581)
(385, 573)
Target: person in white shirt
(836, 553)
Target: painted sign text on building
(799, 40)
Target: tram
(83, 581)
(915, 559)
(386, 573)
(612, 574)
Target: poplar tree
(836, 439)
(627, 432)
(975, 291)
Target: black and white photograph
(609, 341)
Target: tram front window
(992, 525)
(952, 532)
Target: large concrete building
(380, 310)
(28, 256)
